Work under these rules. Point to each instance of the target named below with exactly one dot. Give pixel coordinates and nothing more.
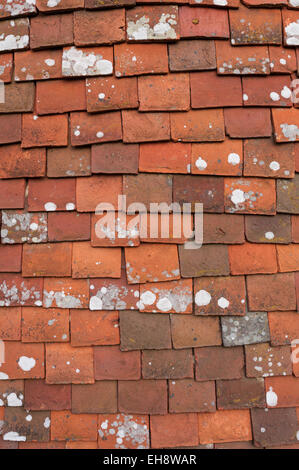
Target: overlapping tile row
(135, 341)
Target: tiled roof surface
(139, 342)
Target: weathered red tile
(289, 23)
(142, 396)
(66, 96)
(44, 325)
(239, 394)
(152, 263)
(23, 361)
(209, 260)
(45, 6)
(44, 131)
(166, 297)
(10, 321)
(287, 257)
(19, 97)
(164, 92)
(10, 258)
(38, 65)
(219, 363)
(268, 229)
(148, 23)
(209, 90)
(191, 396)
(196, 54)
(65, 293)
(197, 126)
(72, 427)
(250, 196)
(250, 122)
(87, 61)
(252, 258)
(85, 398)
(15, 34)
(262, 157)
(68, 226)
(41, 396)
(223, 228)
(224, 158)
(10, 128)
(114, 158)
(136, 328)
(66, 364)
(15, 291)
(36, 260)
(107, 94)
(287, 195)
(262, 360)
(94, 328)
(265, 293)
(203, 23)
(282, 60)
(68, 162)
(113, 294)
(224, 426)
(91, 192)
(140, 59)
(95, 262)
(112, 364)
(255, 26)
(245, 60)
(24, 425)
(94, 128)
(99, 27)
(191, 331)
(274, 427)
(16, 7)
(18, 163)
(51, 31)
(220, 295)
(286, 123)
(134, 430)
(145, 127)
(6, 63)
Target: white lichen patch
(14, 400)
(13, 436)
(202, 298)
(177, 299)
(238, 196)
(244, 66)
(269, 235)
(12, 294)
(76, 62)
(18, 227)
(223, 302)
(201, 164)
(12, 42)
(17, 7)
(141, 30)
(126, 431)
(26, 363)
(290, 131)
(292, 33)
(63, 298)
(116, 229)
(114, 297)
(271, 397)
(53, 3)
(233, 159)
(47, 423)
